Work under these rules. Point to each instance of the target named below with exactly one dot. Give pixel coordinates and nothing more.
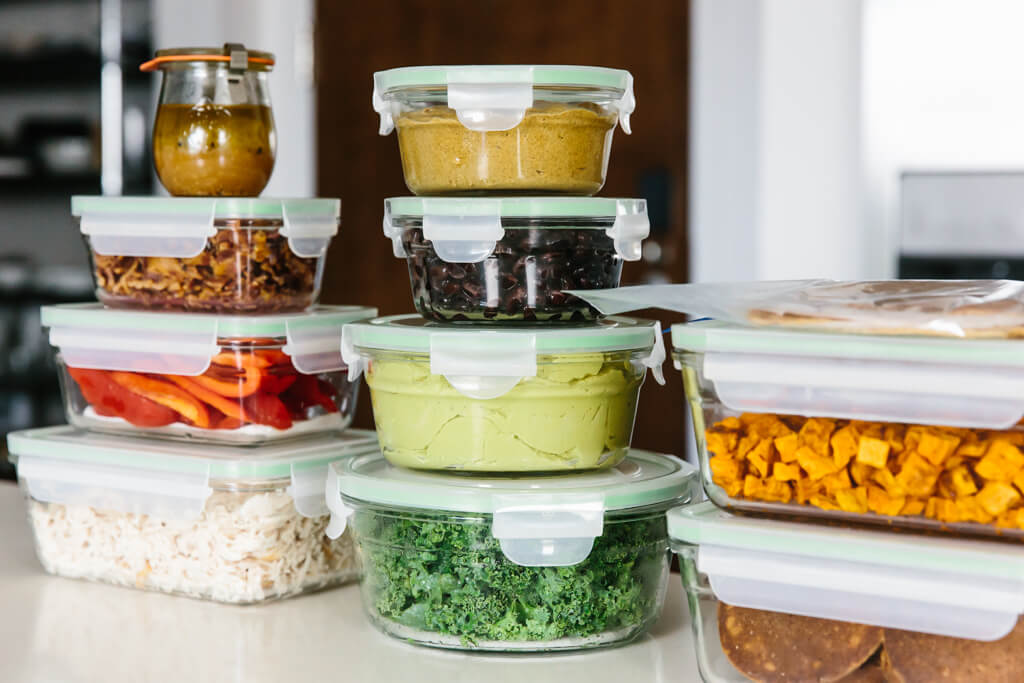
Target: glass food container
(214, 132)
(515, 400)
(777, 601)
(207, 255)
(505, 129)
(914, 432)
(511, 563)
(241, 380)
(213, 522)
(511, 260)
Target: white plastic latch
(136, 350)
(626, 104)
(908, 598)
(630, 229)
(491, 106)
(308, 233)
(656, 358)
(350, 357)
(313, 349)
(339, 511)
(485, 365)
(393, 233)
(535, 531)
(461, 233)
(918, 393)
(183, 235)
(307, 490)
(497, 104)
(158, 493)
(387, 109)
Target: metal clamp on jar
(214, 132)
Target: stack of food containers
(885, 404)
(506, 511)
(206, 392)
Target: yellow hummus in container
(440, 410)
(526, 129)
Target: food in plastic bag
(952, 308)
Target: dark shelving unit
(61, 68)
(53, 91)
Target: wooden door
(650, 39)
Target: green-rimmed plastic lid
(484, 363)
(495, 97)
(547, 520)
(91, 336)
(974, 383)
(947, 586)
(714, 336)
(172, 480)
(466, 229)
(179, 227)
(535, 74)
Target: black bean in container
(523, 279)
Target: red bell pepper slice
(266, 409)
(228, 423)
(112, 400)
(259, 408)
(308, 391)
(240, 360)
(166, 394)
(260, 358)
(244, 385)
(277, 384)
(230, 408)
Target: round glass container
(516, 400)
(511, 129)
(510, 563)
(214, 131)
(513, 260)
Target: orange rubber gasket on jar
(155, 63)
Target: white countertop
(66, 631)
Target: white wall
(776, 167)
(943, 90)
(284, 27)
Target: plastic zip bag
(952, 308)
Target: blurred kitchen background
(772, 138)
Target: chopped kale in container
(451, 578)
(511, 563)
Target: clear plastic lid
(65, 465)
(952, 587)
(466, 229)
(496, 97)
(178, 227)
(485, 363)
(91, 336)
(966, 309)
(976, 383)
(548, 520)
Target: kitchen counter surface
(66, 631)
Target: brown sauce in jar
(203, 150)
